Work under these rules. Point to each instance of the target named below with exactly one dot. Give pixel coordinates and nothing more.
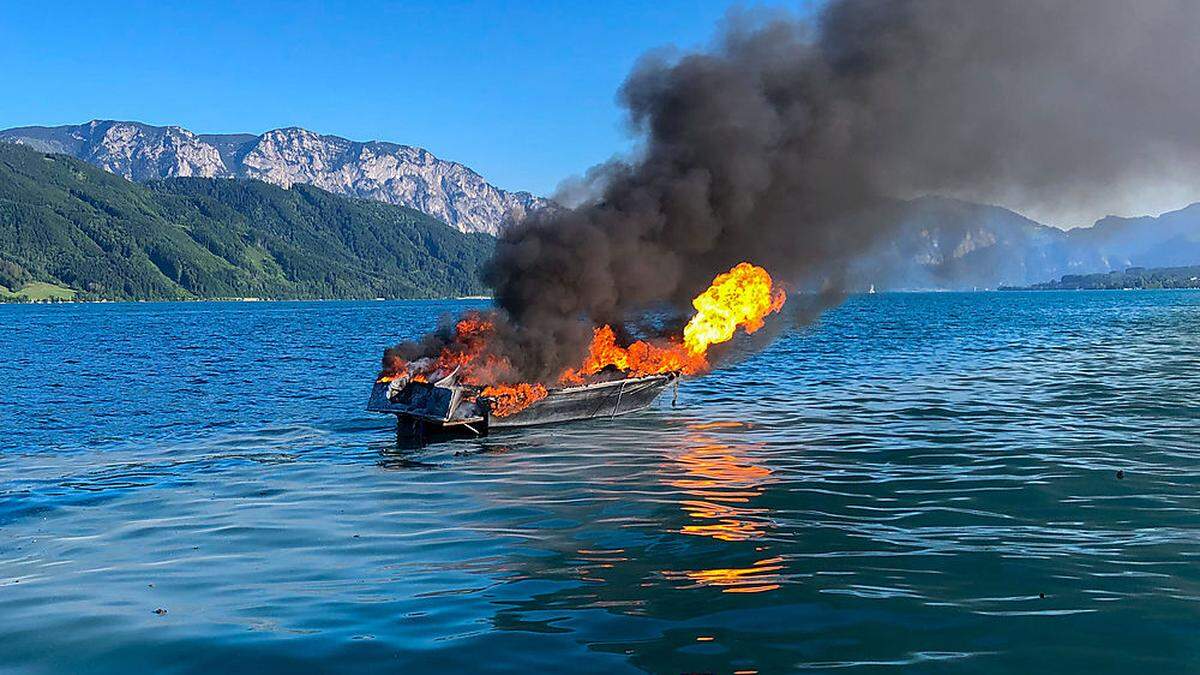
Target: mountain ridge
(70, 226)
(392, 173)
(939, 243)
(932, 242)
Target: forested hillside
(68, 228)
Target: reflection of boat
(757, 578)
(446, 404)
(722, 485)
(721, 482)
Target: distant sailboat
(872, 289)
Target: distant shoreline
(1002, 289)
(238, 300)
(1132, 278)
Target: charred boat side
(447, 404)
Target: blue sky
(522, 92)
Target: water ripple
(919, 481)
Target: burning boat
(467, 385)
(447, 403)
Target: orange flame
(739, 298)
(468, 352)
(471, 339)
(638, 359)
(507, 399)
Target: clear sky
(523, 92)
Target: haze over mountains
(941, 243)
(387, 172)
(937, 243)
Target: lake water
(919, 479)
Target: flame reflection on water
(721, 481)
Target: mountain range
(387, 172)
(941, 243)
(930, 242)
(71, 230)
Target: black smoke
(783, 143)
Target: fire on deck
(447, 404)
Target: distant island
(72, 231)
(1140, 278)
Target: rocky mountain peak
(140, 152)
(386, 172)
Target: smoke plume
(782, 144)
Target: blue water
(897, 485)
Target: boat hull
(607, 399)
(426, 406)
